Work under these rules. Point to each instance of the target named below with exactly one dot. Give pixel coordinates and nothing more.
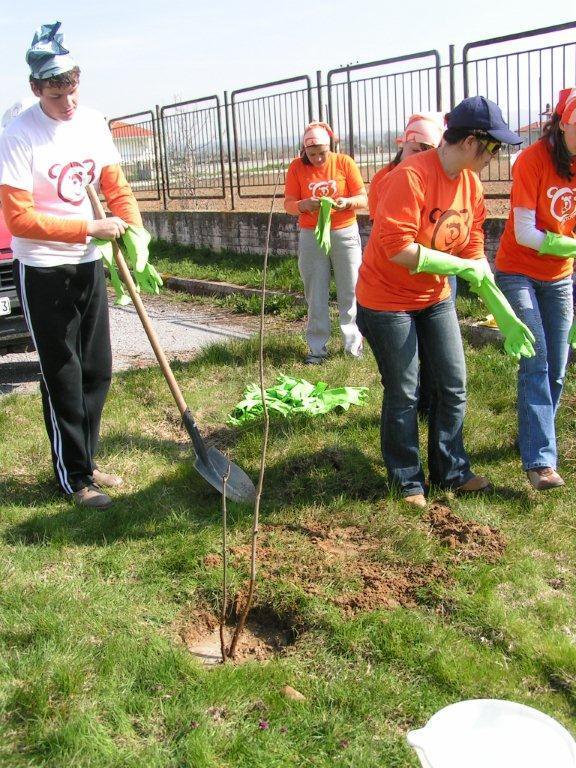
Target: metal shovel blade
(213, 466)
(239, 487)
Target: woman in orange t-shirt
(428, 225)
(534, 270)
(317, 173)
(423, 132)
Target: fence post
(229, 150)
(319, 87)
(350, 115)
(161, 150)
(452, 66)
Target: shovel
(211, 463)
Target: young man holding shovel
(48, 155)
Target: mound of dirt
(469, 540)
(340, 565)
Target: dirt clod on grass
(469, 540)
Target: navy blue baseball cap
(483, 114)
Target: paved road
(182, 329)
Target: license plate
(5, 307)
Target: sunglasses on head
(491, 145)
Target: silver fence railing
(209, 148)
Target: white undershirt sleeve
(525, 229)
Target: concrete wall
(245, 232)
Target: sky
(135, 54)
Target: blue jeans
(546, 308)
(425, 389)
(395, 338)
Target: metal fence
(241, 146)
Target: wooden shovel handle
(99, 213)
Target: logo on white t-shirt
(563, 203)
(73, 179)
(328, 188)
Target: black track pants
(66, 308)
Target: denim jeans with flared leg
(546, 308)
(395, 338)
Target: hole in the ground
(265, 635)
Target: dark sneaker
(91, 496)
(314, 360)
(543, 478)
(107, 480)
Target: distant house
(136, 146)
(532, 132)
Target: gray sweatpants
(344, 258)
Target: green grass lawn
(243, 269)
(93, 670)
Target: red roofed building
(136, 146)
(532, 132)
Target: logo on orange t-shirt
(451, 230)
(563, 203)
(327, 188)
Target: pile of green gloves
(290, 396)
(134, 246)
(518, 338)
(322, 230)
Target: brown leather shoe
(543, 478)
(107, 480)
(476, 484)
(91, 496)
(417, 500)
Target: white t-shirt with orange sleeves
(54, 160)
(338, 177)
(419, 203)
(537, 186)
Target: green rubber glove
(518, 338)
(134, 245)
(148, 279)
(440, 263)
(322, 230)
(105, 248)
(558, 245)
(572, 335)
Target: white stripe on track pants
(66, 308)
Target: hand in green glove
(105, 248)
(518, 338)
(572, 335)
(134, 245)
(561, 246)
(439, 263)
(322, 230)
